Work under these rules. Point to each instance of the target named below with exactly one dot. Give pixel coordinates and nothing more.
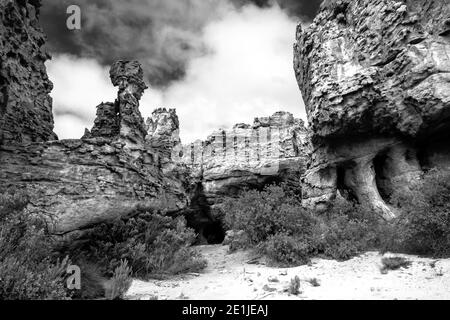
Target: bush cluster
(153, 244)
(29, 269)
(349, 229)
(424, 225)
(275, 221)
(33, 265)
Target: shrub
(424, 225)
(287, 250)
(120, 281)
(394, 263)
(262, 214)
(93, 283)
(29, 269)
(275, 221)
(153, 244)
(294, 286)
(314, 282)
(350, 229)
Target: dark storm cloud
(163, 34)
(306, 9)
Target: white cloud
(247, 74)
(69, 127)
(79, 86)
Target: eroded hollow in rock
(356, 181)
(381, 179)
(199, 218)
(345, 191)
(435, 152)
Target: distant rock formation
(375, 77)
(164, 133)
(25, 106)
(248, 156)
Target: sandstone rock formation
(164, 134)
(79, 183)
(248, 156)
(25, 106)
(375, 77)
(122, 119)
(76, 183)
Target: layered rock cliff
(248, 156)
(375, 78)
(78, 183)
(113, 170)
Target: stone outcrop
(122, 119)
(248, 156)
(113, 170)
(25, 106)
(164, 133)
(78, 183)
(375, 78)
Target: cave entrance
(199, 218)
(345, 191)
(381, 178)
(213, 232)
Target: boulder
(375, 78)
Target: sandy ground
(235, 276)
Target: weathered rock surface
(248, 156)
(78, 183)
(375, 78)
(164, 133)
(25, 106)
(122, 119)
(109, 173)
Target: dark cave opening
(423, 158)
(199, 218)
(346, 192)
(213, 232)
(381, 180)
(434, 151)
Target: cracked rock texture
(270, 150)
(78, 183)
(164, 133)
(375, 78)
(25, 106)
(114, 169)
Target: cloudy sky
(218, 62)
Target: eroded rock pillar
(361, 179)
